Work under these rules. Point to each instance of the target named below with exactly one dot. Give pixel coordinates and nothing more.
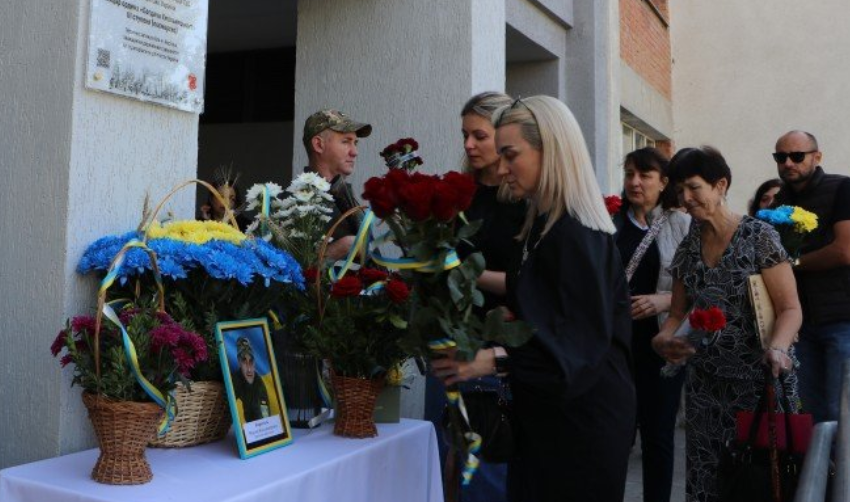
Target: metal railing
(816, 467)
(812, 487)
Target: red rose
(407, 144)
(381, 197)
(464, 184)
(416, 196)
(445, 202)
(397, 291)
(370, 276)
(613, 204)
(347, 286)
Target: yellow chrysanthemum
(196, 232)
(804, 221)
(394, 375)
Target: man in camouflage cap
(330, 138)
(248, 386)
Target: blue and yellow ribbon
(454, 398)
(108, 309)
(362, 242)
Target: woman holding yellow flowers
(725, 370)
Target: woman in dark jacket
(572, 387)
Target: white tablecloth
(401, 464)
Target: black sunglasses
(796, 157)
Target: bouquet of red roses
(424, 213)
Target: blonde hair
(483, 105)
(567, 181)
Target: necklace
(526, 251)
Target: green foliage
(165, 351)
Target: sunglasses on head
(796, 157)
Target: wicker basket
(123, 429)
(202, 416)
(355, 406)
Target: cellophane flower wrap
(792, 223)
(211, 272)
(701, 328)
(167, 352)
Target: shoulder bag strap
(644, 245)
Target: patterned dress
(726, 374)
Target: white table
(401, 464)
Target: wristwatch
(502, 361)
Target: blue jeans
(822, 351)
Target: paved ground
(634, 488)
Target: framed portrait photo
(253, 386)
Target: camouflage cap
(243, 349)
(334, 120)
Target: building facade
(77, 164)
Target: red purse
(799, 424)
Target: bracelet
(784, 352)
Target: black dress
(572, 386)
(500, 223)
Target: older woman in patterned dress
(710, 269)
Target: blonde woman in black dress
(574, 403)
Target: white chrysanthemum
(303, 195)
(255, 194)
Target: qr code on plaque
(103, 58)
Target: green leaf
(468, 230)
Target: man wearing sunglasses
(822, 270)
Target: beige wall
(746, 72)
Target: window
(634, 139)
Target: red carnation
(715, 320)
(347, 286)
(397, 291)
(707, 320)
(465, 186)
(613, 203)
(370, 276)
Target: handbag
(758, 465)
(488, 412)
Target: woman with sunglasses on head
(649, 230)
(574, 405)
(501, 218)
(725, 370)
